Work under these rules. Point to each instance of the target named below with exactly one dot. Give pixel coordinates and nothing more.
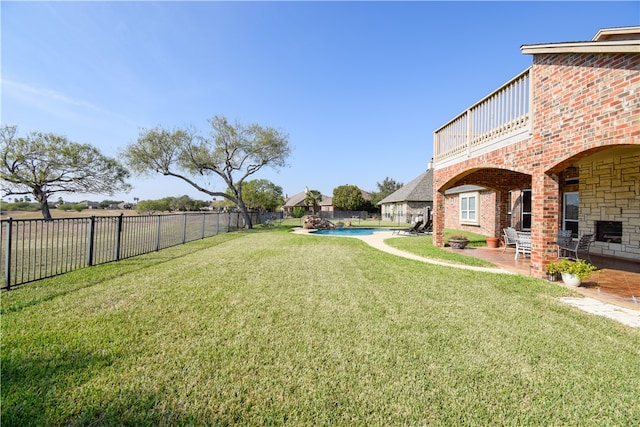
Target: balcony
(500, 119)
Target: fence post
(158, 235)
(7, 258)
(204, 219)
(119, 236)
(184, 228)
(92, 222)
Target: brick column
(544, 221)
(438, 219)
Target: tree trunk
(44, 205)
(44, 208)
(245, 214)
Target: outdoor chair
(411, 231)
(427, 228)
(510, 237)
(573, 250)
(523, 244)
(564, 240)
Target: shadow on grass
(31, 387)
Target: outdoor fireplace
(609, 231)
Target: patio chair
(573, 250)
(510, 237)
(523, 244)
(427, 228)
(564, 240)
(412, 231)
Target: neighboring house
(297, 200)
(409, 201)
(90, 204)
(559, 145)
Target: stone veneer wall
(610, 191)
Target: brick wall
(584, 105)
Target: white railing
(503, 115)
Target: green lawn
(273, 328)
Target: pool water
(351, 231)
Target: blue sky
(359, 87)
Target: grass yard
(273, 328)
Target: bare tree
(232, 152)
(43, 164)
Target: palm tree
(313, 199)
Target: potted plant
(458, 241)
(553, 272)
(574, 271)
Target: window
(509, 207)
(469, 208)
(526, 209)
(570, 210)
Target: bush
(78, 207)
(580, 268)
(298, 212)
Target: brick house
(558, 146)
(411, 200)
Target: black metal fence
(33, 249)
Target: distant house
(326, 205)
(413, 199)
(297, 200)
(90, 204)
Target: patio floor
(617, 282)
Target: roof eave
(621, 46)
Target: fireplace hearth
(609, 231)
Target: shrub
(298, 212)
(580, 268)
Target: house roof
(607, 40)
(298, 200)
(420, 189)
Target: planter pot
(493, 242)
(553, 277)
(571, 279)
(458, 244)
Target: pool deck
(593, 304)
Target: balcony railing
(501, 118)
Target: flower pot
(493, 242)
(458, 244)
(571, 279)
(553, 277)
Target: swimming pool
(351, 231)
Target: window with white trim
(570, 213)
(469, 203)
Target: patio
(617, 281)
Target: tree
(313, 199)
(348, 197)
(232, 152)
(385, 188)
(262, 194)
(43, 164)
